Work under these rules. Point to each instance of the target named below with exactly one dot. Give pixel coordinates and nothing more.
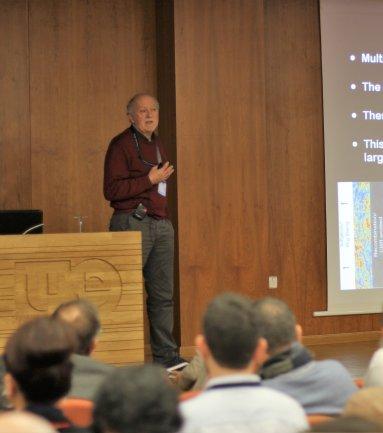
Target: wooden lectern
(38, 272)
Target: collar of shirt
(235, 379)
(141, 135)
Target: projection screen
(352, 67)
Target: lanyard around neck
(151, 164)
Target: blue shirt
(321, 387)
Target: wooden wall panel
(221, 152)
(15, 191)
(250, 157)
(87, 59)
(296, 154)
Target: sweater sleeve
(118, 185)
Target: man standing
(135, 175)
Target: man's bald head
(83, 317)
(143, 113)
(132, 103)
(276, 322)
(22, 422)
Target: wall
(15, 170)
(70, 69)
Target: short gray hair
(229, 330)
(131, 105)
(276, 323)
(137, 399)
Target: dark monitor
(17, 222)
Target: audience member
(374, 375)
(38, 368)
(346, 424)
(192, 377)
(87, 373)
(234, 399)
(24, 422)
(320, 386)
(137, 400)
(367, 404)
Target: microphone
(32, 228)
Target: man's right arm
(118, 185)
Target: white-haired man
(135, 183)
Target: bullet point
(352, 57)
(353, 86)
(355, 143)
(354, 115)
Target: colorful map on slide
(360, 212)
(362, 235)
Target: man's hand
(157, 175)
(174, 377)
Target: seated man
(38, 369)
(320, 386)
(137, 400)
(367, 404)
(374, 375)
(87, 373)
(21, 422)
(234, 399)
(192, 377)
(346, 424)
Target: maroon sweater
(126, 181)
